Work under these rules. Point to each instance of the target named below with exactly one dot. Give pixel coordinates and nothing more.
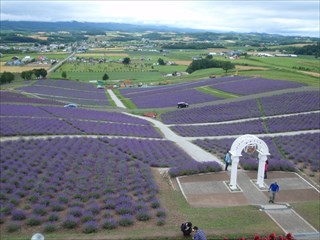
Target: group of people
(187, 229)
(274, 187)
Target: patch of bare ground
(186, 63)
(314, 74)
(239, 67)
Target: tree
(227, 66)
(43, 72)
(64, 74)
(26, 75)
(161, 62)
(126, 60)
(6, 77)
(40, 73)
(105, 77)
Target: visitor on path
(227, 159)
(266, 165)
(199, 234)
(186, 228)
(274, 188)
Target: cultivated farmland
(79, 170)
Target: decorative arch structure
(248, 143)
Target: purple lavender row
(302, 149)
(274, 105)
(34, 126)
(51, 91)
(274, 125)
(154, 153)
(255, 85)
(250, 127)
(73, 180)
(294, 123)
(130, 92)
(116, 129)
(169, 99)
(291, 103)
(214, 113)
(22, 110)
(10, 97)
(79, 113)
(80, 101)
(66, 84)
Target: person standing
(266, 165)
(227, 159)
(274, 188)
(199, 234)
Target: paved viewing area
(211, 190)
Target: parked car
(71, 105)
(183, 105)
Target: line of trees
(39, 73)
(209, 63)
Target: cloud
(301, 17)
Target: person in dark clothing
(266, 165)
(227, 159)
(199, 234)
(186, 228)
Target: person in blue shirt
(199, 234)
(227, 159)
(274, 188)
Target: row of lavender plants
(15, 126)
(255, 85)
(286, 152)
(67, 113)
(170, 99)
(12, 97)
(268, 106)
(213, 113)
(54, 91)
(269, 125)
(168, 96)
(67, 84)
(83, 183)
(80, 101)
(133, 92)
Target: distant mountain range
(85, 26)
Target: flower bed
(255, 85)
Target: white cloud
(245, 16)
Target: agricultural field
(67, 91)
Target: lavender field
(255, 85)
(83, 183)
(13, 97)
(300, 122)
(21, 120)
(68, 91)
(265, 106)
(168, 96)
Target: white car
(71, 105)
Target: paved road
(54, 67)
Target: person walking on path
(274, 188)
(266, 165)
(227, 159)
(199, 234)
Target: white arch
(238, 146)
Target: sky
(287, 17)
